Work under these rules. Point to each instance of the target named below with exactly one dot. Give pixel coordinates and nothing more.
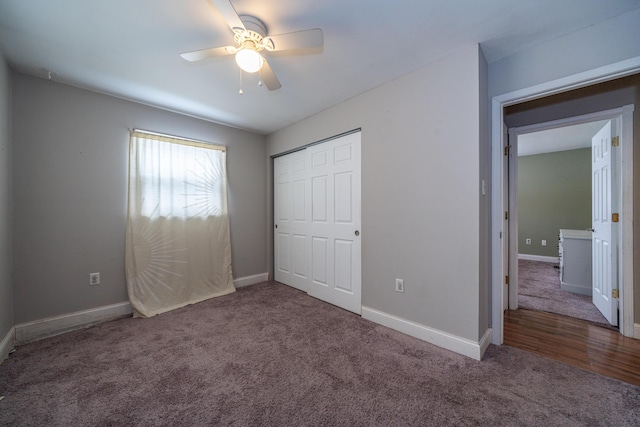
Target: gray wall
(6, 202)
(70, 191)
(420, 191)
(596, 46)
(554, 192)
(484, 148)
(603, 96)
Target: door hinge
(615, 293)
(506, 280)
(615, 141)
(506, 215)
(615, 217)
(506, 150)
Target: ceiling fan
(251, 38)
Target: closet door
(334, 177)
(291, 232)
(317, 221)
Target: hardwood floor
(574, 342)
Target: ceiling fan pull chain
(241, 91)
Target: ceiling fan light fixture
(249, 60)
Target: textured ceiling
(130, 48)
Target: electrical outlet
(528, 241)
(544, 243)
(94, 279)
(399, 285)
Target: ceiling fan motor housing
(253, 35)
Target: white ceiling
(130, 48)
(559, 139)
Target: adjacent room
(555, 198)
(235, 212)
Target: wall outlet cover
(94, 279)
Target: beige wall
(554, 192)
(421, 199)
(70, 185)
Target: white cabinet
(575, 261)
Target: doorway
(578, 94)
(559, 260)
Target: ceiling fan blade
(198, 55)
(296, 40)
(229, 14)
(269, 78)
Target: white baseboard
(484, 342)
(460, 345)
(7, 343)
(636, 331)
(250, 280)
(43, 328)
(528, 257)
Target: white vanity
(575, 261)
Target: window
(179, 178)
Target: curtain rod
(179, 137)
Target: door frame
(625, 116)
(498, 175)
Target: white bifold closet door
(317, 246)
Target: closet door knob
(357, 233)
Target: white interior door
(292, 212)
(603, 243)
(317, 221)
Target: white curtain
(178, 247)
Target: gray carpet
(270, 355)
(539, 289)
